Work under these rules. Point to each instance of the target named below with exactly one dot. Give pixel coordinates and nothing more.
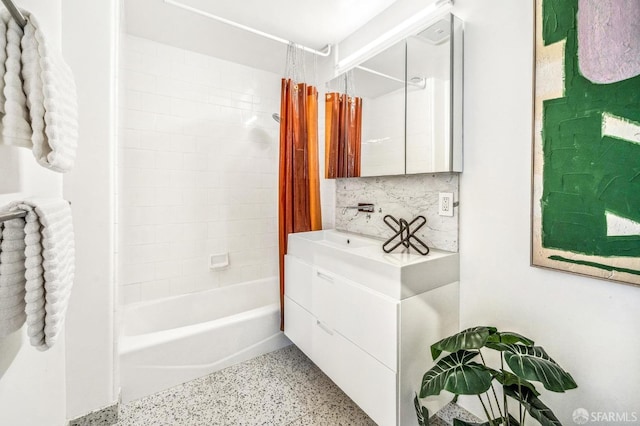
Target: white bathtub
(174, 340)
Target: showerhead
(276, 117)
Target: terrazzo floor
(280, 388)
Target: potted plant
(459, 373)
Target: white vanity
(368, 318)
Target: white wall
(30, 378)
(198, 171)
(589, 326)
(89, 34)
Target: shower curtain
(299, 185)
(343, 134)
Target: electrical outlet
(445, 204)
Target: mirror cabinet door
(428, 141)
(377, 87)
(411, 108)
(380, 80)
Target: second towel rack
(4, 216)
(15, 13)
(12, 215)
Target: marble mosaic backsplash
(402, 197)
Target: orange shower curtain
(299, 189)
(343, 134)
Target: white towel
(49, 263)
(12, 279)
(16, 129)
(3, 59)
(51, 99)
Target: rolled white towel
(12, 276)
(51, 99)
(50, 258)
(16, 129)
(3, 58)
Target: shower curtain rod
(15, 13)
(325, 53)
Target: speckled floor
(280, 388)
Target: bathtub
(171, 341)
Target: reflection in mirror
(343, 129)
(380, 82)
(411, 103)
(428, 146)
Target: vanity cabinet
(372, 344)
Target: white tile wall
(195, 178)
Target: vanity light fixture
(430, 13)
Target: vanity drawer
(323, 296)
(364, 379)
(365, 317)
(369, 383)
(297, 281)
(298, 326)
(311, 336)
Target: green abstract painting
(586, 167)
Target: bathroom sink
(346, 241)
(399, 274)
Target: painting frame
(579, 224)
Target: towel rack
(15, 13)
(4, 216)
(12, 215)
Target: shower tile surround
(402, 197)
(198, 171)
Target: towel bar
(4, 216)
(15, 13)
(12, 215)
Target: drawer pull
(324, 276)
(324, 328)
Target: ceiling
(311, 23)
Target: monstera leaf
(513, 421)
(506, 378)
(456, 374)
(421, 412)
(533, 363)
(533, 405)
(508, 337)
(471, 338)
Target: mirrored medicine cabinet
(403, 108)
